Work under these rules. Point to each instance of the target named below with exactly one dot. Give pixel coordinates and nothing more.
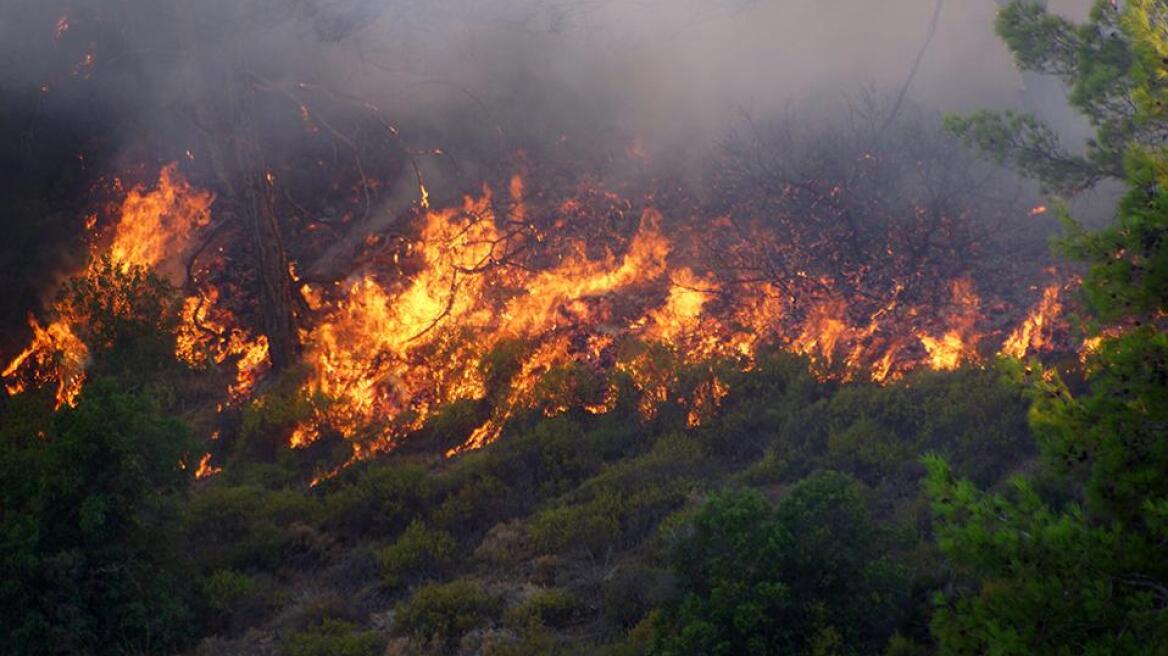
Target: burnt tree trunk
(273, 277)
(238, 163)
(277, 310)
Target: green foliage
(594, 526)
(245, 526)
(553, 607)
(268, 419)
(238, 600)
(377, 501)
(419, 551)
(89, 563)
(440, 613)
(1035, 574)
(333, 637)
(1041, 578)
(1026, 143)
(976, 417)
(809, 573)
(1095, 63)
(128, 319)
(624, 502)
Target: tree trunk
(277, 309)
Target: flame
(959, 343)
(206, 469)
(386, 355)
(55, 354)
(152, 230)
(155, 227)
(707, 399)
(499, 304)
(209, 334)
(1033, 334)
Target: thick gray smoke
(660, 69)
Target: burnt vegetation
(310, 366)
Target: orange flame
(155, 227)
(1033, 334)
(55, 354)
(206, 469)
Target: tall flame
(1033, 334)
(156, 226)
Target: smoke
(90, 88)
(663, 70)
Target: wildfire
(959, 343)
(156, 226)
(209, 334)
(483, 306)
(206, 469)
(55, 354)
(1033, 334)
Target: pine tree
(1087, 573)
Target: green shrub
(553, 608)
(812, 575)
(238, 600)
(632, 591)
(443, 612)
(475, 505)
(333, 637)
(89, 560)
(594, 526)
(235, 530)
(418, 552)
(377, 500)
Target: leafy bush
(442, 612)
(89, 562)
(475, 504)
(418, 552)
(806, 575)
(333, 637)
(594, 526)
(238, 600)
(553, 607)
(377, 500)
(238, 527)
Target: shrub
(632, 591)
(418, 552)
(89, 562)
(235, 530)
(553, 608)
(443, 612)
(475, 505)
(811, 574)
(378, 500)
(594, 526)
(238, 600)
(332, 637)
